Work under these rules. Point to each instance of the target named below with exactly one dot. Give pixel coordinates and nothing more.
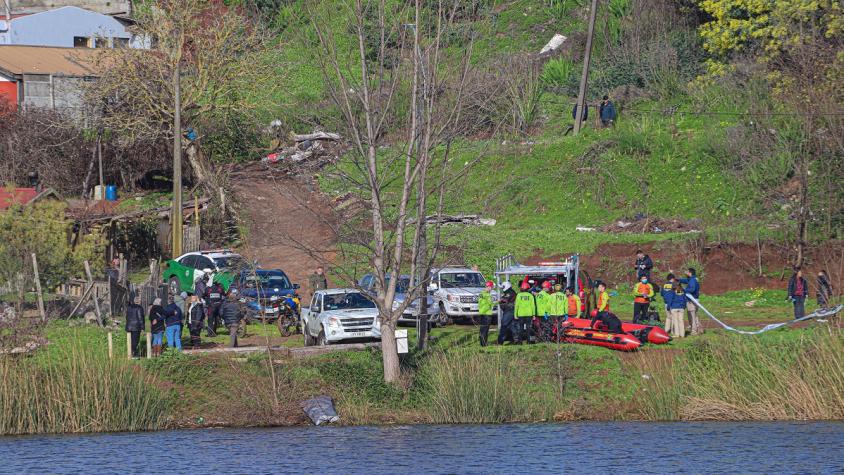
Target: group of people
(205, 309)
(798, 291)
(675, 293)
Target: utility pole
(176, 212)
(587, 56)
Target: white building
(67, 27)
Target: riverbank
(787, 374)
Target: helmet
(525, 286)
(506, 285)
(490, 284)
(531, 281)
(593, 313)
(546, 284)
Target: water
(526, 448)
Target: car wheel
(307, 336)
(175, 286)
(321, 341)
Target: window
(81, 42)
(121, 42)
(189, 261)
(100, 42)
(203, 262)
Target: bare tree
(399, 165)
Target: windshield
(344, 301)
(461, 279)
(234, 262)
(267, 281)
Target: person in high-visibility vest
(602, 313)
(557, 310)
(543, 302)
(643, 292)
(485, 305)
(524, 313)
(573, 305)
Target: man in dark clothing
(317, 280)
(135, 324)
(200, 287)
(584, 115)
(644, 264)
(693, 289)
(824, 290)
(156, 326)
(607, 112)
(508, 306)
(196, 316)
(231, 314)
(214, 296)
(798, 289)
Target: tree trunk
(199, 171)
(389, 351)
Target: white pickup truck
(455, 292)
(339, 314)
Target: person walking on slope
(798, 289)
(643, 292)
(156, 326)
(543, 300)
(824, 293)
(485, 305)
(643, 265)
(676, 301)
(692, 289)
(135, 324)
(525, 310)
(506, 327)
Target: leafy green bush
(557, 74)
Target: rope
(824, 312)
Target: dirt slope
(290, 224)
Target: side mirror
(432, 287)
(296, 286)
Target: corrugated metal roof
(18, 59)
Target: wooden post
(149, 345)
(38, 289)
(129, 345)
(94, 297)
(222, 201)
(110, 345)
(176, 210)
(587, 55)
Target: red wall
(9, 92)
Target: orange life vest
(646, 289)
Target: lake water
(523, 448)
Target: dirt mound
(645, 224)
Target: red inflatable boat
(615, 341)
(645, 333)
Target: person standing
(156, 326)
(676, 307)
(643, 292)
(231, 313)
(507, 303)
(196, 316)
(644, 264)
(666, 291)
(317, 280)
(524, 312)
(543, 301)
(607, 112)
(798, 289)
(135, 324)
(693, 290)
(485, 310)
(824, 293)
(173, 324)
(200, 288)
(214, 298)
(557, 310)
(584, 115)
(573, 304)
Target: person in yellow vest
(524, 313)
(543, 302)
(485, 305)
(557, 309)
(602, 313)
(643, 292)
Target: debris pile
(464, 219)
(645, 224)
(321, 147)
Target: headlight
(333, 322)
(377, 323)
(453, 298)
(396, 304)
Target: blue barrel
(111, 192)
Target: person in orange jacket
(643, 292)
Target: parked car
(411, 312)
(455, 293)
(181, 273)
(338, 315)
(267, 293)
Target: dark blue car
(266, 291)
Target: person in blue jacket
(173, 324)
(676, 300)
(607, 112)
(693, 289)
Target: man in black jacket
(196, 316)
(214, 296)
(135, 324)
(798, 289)
(644, 264)
(824, 292)
(507, 302)
(231, 313)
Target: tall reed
(78, 390)
(739, 378)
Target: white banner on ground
(821, 313)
